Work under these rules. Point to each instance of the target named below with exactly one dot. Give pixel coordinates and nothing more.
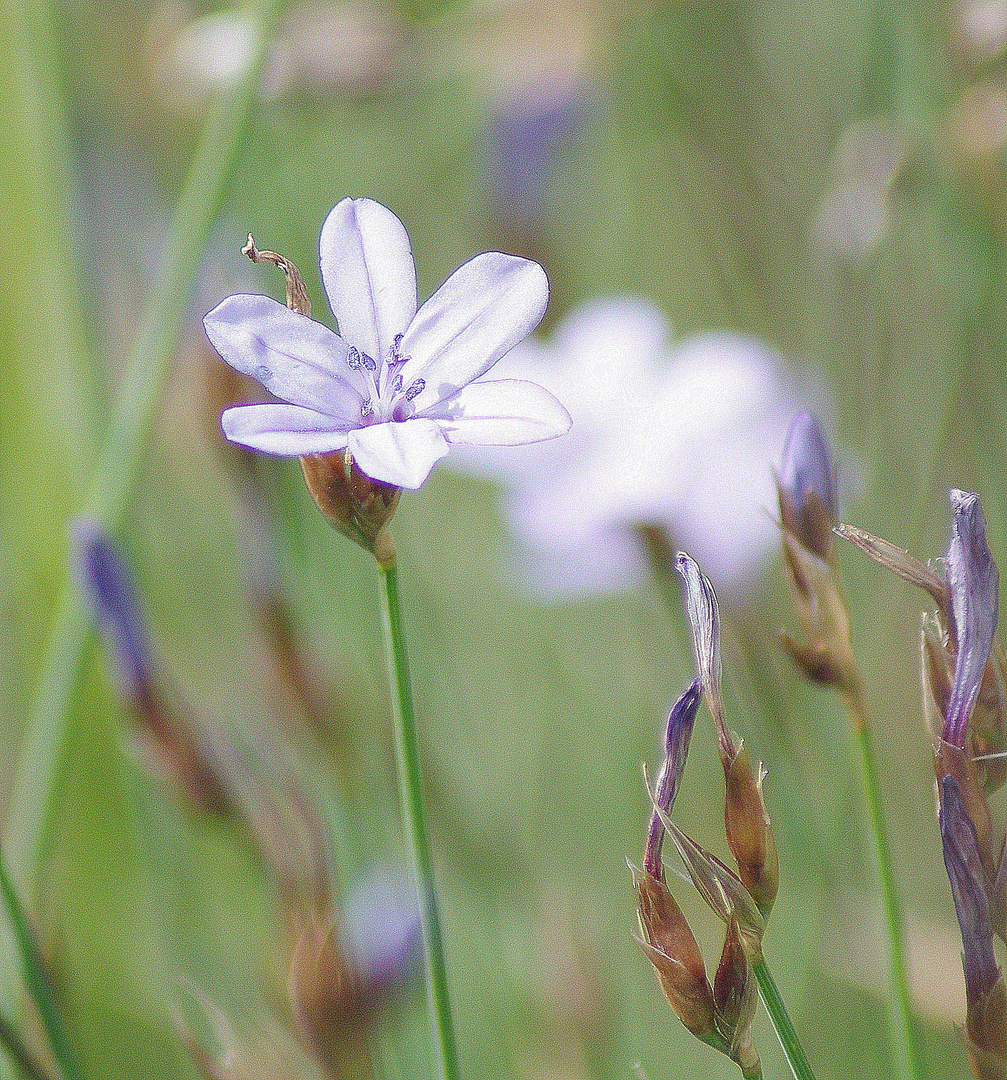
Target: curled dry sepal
(806, 486)
(721, 1015)
(389, 394)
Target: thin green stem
(782, 1023)
(16, 1050)
(407, 756)
(900, 1018)
(118, 468)
(36, 978)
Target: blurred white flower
(680, 437)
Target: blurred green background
(828, 178)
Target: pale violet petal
(400, 453)
(294, 357)
(484, 309)
(284, 430)
(505, 412)
(368, 274)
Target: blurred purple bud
(676, 747)
(379, 929)
(974, 589)
(524, 139)
(961, 857)
(807, 485)
(106, 586)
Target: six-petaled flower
(396, 386)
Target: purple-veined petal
(368, 274)
(292, 356)
(483, 309)
(974, 590)
(401, 453)
(507, 412)
(284, 430)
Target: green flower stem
(785, 1032)
(115, 477)
(407, 756)
(37, 980)
(900, 1018)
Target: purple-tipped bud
(807, 485)
(107, 590)
(341, 977)
(974, 589)
(676, 747)
(986, 1000)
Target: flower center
(389, 399)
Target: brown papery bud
(331, 1003)
(984, 1034)
(353, 503)
(750, 833)
(672, 950)
(735, 996)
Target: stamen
(366, 409)
(368, 362)
(396, 384)
(353, 359)
(416, 389)
(396, 344)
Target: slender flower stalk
(407, 756)
(807, 488)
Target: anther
(353, 359)
(416, 389)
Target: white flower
(681, 438)
(396, 387)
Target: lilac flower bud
(985, 1033)
(107, 590)
(806, 484)
(973, 585)
(676, 747)
(961, 857)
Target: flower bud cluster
(720, 1015)
(964, 706)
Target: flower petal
(294, 357)
(400, 453)
(484, 309)
(368, 274)
(505, 412)
(285, 430)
